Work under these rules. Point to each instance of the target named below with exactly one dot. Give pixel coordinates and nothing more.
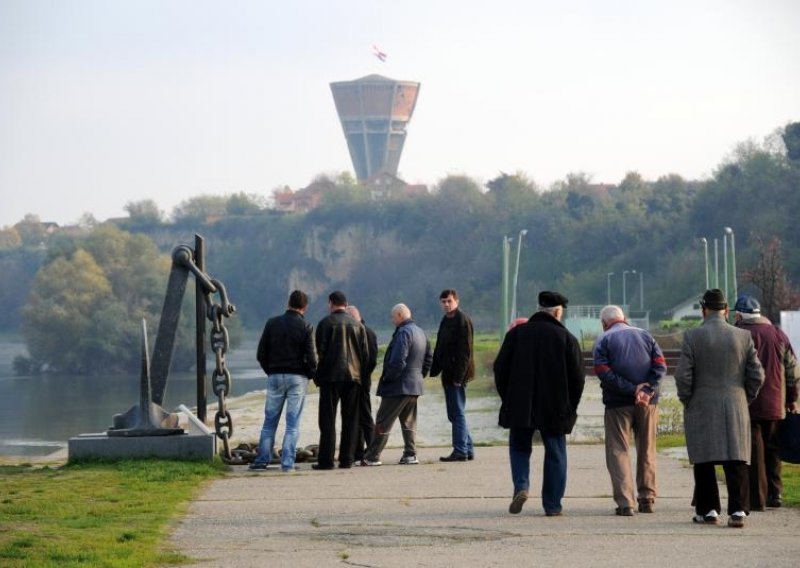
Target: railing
(671, 355)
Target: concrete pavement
(456, 514)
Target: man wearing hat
(539, 376)
(777, 395)
(717, 376)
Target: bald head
(353, 311)
(400, 313)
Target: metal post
(624, 291)
(513, 316)
(641, 291)
(725, 263)
(733, 263)
(504, 288)
(716, 263)
(608, 288)
(200, 328)
(705, 256)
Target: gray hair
(550, 310)
(402, 310)
(749, 316)
(353, 311)
(611, 313)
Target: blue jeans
(456, 400)
(289, 389)
(554, 472)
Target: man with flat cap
(717, 376)
(777, 396)
(539, 376)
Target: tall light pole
(641, 291)
(716, 263)
(624, 292)
(522, 233)
(725, 262)
(705, 251)
(729, 231)
(504, 290)
(608, 288)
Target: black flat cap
(714, 300)
(552, 299)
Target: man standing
(717, 376)
(407, 361)
(452, 357)
(777, 395)
(366, 426)
(286, 353)
(539, 377)
(630, 366)
(343, 353)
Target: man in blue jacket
(630, 366)
(407, 361)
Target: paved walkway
(456, 514)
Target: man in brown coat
(718, 375)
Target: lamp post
(725, 262)
(729, 231)
(624, 292)
(641, 291)
(705, 256)
(608, 288)
(716, 263)
(522, 233)
(504, 286)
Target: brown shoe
(624, 511)
(646, 507)
(517, 502)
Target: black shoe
(775, 502)
(454, 457)
(345, 465)
(470, 457)
(320, 466)
(646, 507)
(624, 511)
(257, 466)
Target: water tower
(375, 111)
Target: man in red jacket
(777, 395)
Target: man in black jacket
(343, 352)
(452, 357)
(539, 376)
(366, 425)
(287, 354)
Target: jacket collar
(544, 317)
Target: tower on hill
(374, 112)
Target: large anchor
(148, 418)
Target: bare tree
(769, 276)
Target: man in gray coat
(718, 375)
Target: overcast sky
(105, 102)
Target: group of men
(736, 383)
(340, 356)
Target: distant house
(687, 309)
(386, 186)
(302, 200)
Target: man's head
(400, 313)
(353, 311)
(449, 301)
(714, 302)
(747, 308)
(337, 301)
(552, 303)
(610, 315)
(298, 301)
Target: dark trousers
(554, 468)
(392, 408)
(706, 490)
(765, 463)
(366, 425)
(330, 395)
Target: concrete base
(198, 444)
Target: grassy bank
(95, 514)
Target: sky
(105, 102)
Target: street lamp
(716, 263)
(641, 291)
(624, 292)
(705, 250)
(725, 262)
(608, 288)
(522, 233)
(504, 290)
(729, 231)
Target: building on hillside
(688, 309)
(302, 200)
(388, 186)
(374, 112)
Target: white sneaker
(370, 462)
(408, 460)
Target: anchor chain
(221, 377)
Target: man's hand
(792, 408)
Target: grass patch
(790, 473)
(95, 514)
(664, 441)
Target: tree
(9, 238)
(144, 213)
(791, 138)
(200, 209)
(769, 276)
(31, 230)
(244, 204)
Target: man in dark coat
(366, 425)
(778, 394)
(343, 352)
(539, 376)
(407, 361)
(452, 357)
(717, 376)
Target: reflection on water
(39, 414)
